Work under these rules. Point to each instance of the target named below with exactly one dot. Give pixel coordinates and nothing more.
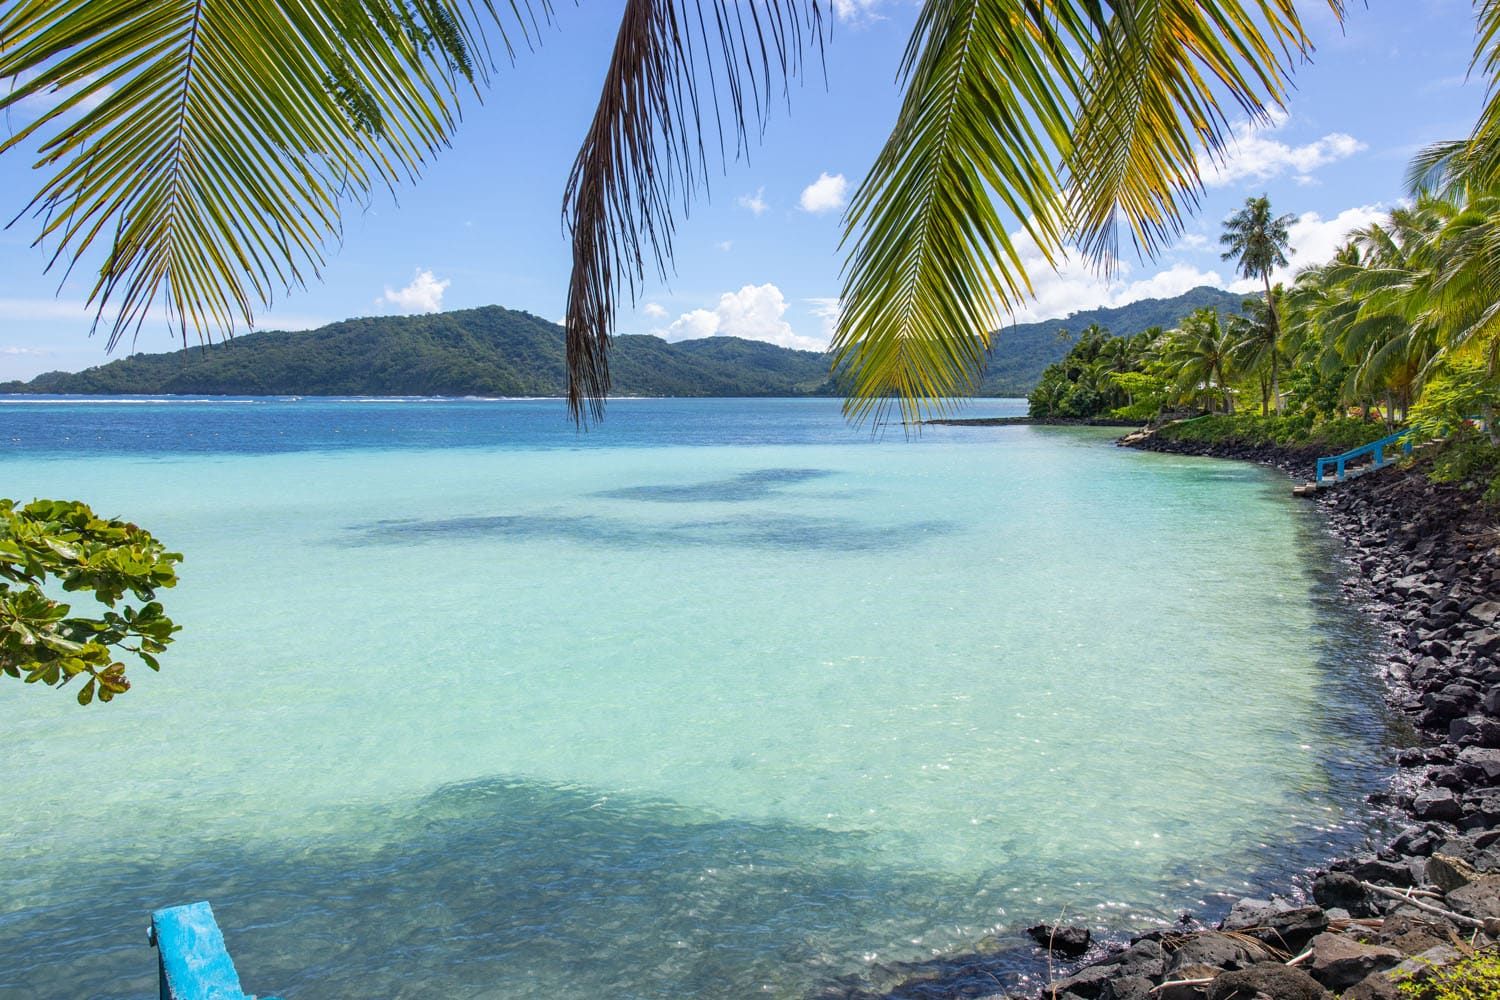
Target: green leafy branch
(64, 543)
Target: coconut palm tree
(1258, 242)
(1256, 346)
(1202, 352)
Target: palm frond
(204, 148)
(989, 87)
(675, 62)
(1154, 101)
(1486, 137)
(1065, 114)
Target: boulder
(1479, 899)
(1480, 764)
(1221, 950)
(1410, 934)
(1475, 730)
(1481, 809)
(1337, 890)
(1421, 964)
(1127, 988)
(1143, 959)
(1268, 979)
(1070, 941)
(1339, 961)
(1251, 912)
(1437, 803)
(1449, 873)
(1485, 614)
(1377, 986)
(1291, 929)
(1385, 872)
(1186, 983)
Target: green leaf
(208, 148)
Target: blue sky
(760, 257)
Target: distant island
(492, 351)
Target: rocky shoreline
(1030, 421)
(1425, 559)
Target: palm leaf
(989, 86)
(1153, 104)
(204, 148)
(1066, 114)
(674, 63)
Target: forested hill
(472, 352)
(499, 352)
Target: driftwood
(1457, 918)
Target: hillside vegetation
(493, 351)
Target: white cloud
(1315, 239)
(755, 312)
(691, 325)
(1251, 155)
(1193, 241)
(33, 310)
(423, 295)
(826, 194)
(756, 202)
(24, 352)
(858, 11)
(827, 310)
(725, 245)
(654, 310)
(33, 107)
(1076, 285)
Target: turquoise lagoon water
(723, 698)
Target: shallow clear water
(722, 698)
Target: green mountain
(500, 352)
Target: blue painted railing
(191, 957)
(1375, 449)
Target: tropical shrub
(1476, 977)
(62, 544)
(1461, 391)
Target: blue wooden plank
(192, 959)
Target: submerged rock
(1070, 940)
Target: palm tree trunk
(1275, 341)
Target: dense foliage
(1403, 325)
(500, 352)
(63, 544)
